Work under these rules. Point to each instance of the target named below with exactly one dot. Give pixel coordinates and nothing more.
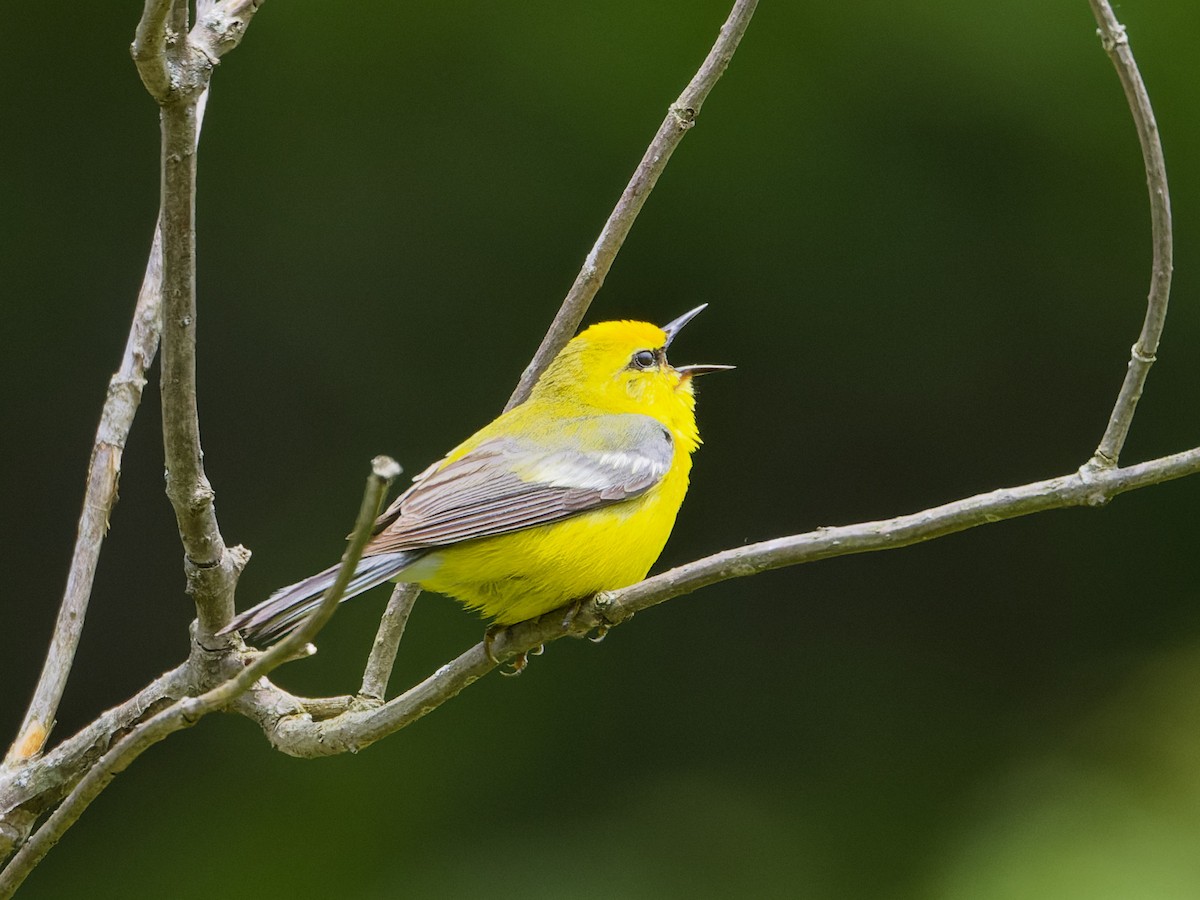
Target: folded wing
(506, 483)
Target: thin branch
(1085, 488)
(29, 791)
(104, 472)
(387, 642)
(359, 727)
(680, 118)
(176, 69)
(188, 711)
(1116, 44)
(187, 486)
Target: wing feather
(510, 483)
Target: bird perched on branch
(573, 492)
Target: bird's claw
(601, 633)
(521, 660)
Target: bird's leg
(520, 661)
(573, 612)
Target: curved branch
(104, 472)
(1116, 44)
(680, 118)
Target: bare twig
(186, 712)
(387, 642)
(104, 471)
(187, 486)
(33, 790)
(1086, 488)
(1116, 44)
(176, 68)
(680, 118)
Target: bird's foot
(519, 662)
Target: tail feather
(284, 609)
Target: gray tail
(284, 609)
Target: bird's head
(622, 367)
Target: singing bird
(571, 493)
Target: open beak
(673, 328)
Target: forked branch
(189, 710)
(175, 67)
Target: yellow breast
(512, 577)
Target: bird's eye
(644, 359)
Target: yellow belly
(517, 576)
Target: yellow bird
(573, 492)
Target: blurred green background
(923, 232)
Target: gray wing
(506, 484)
